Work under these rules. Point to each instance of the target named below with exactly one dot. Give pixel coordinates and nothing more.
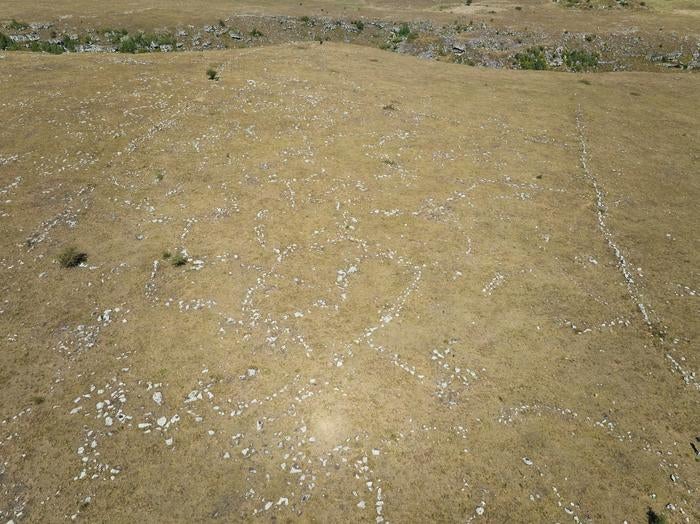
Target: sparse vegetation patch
(577, 60)
(533, 58)
(18, 26)
(71, 257)
(178, 260)
(6, 43)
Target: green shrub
(655, 518)
(359, 24)
(6, 43)
(69, 44)
(18, 26)
(212, 74)
(255, 33)
(115, 35)
(127, 45)
(532, 58)
(161, 39)
(578, 60)
(404, 31)
(46, 47)
(178, 260)
(71, 257)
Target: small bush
(222, 23)
(178, 260)
(655, 518)
(255, 33)
(71, 257)
(532, 58)
(167, 255)
(305, 19)
(18, 26)
(46, 47)
(580, 60)
(359, 24)
(6, 43)
(161, 39)
(212, 74)
(404, 31)
(114, 35)
(127, 45)
(69, 44)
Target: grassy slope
(279, 175)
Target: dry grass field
(679, 15)
(341, 284)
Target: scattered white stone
(162, 421)
(158, 397)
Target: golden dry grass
(399, 293)
(538, 15)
